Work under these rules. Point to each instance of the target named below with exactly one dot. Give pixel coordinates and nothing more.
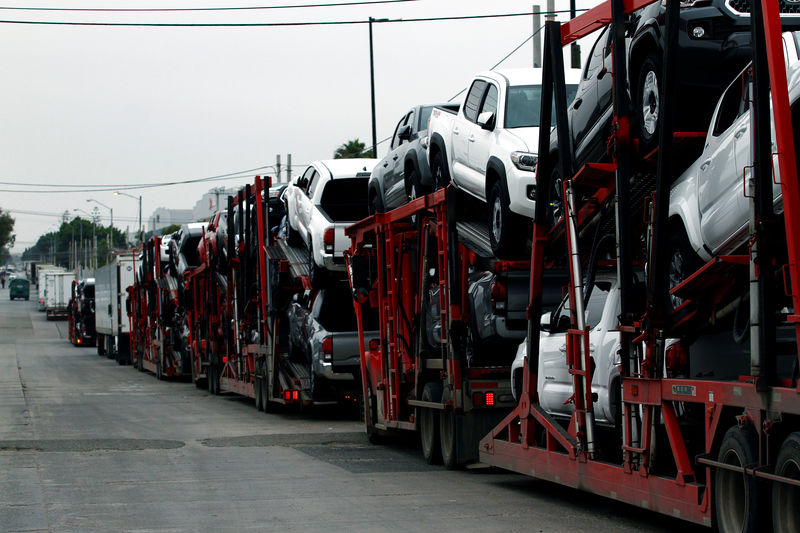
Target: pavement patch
(290, 440)
(88, 445)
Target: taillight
(295, 395)
(499, 294)
(327, 349)
(480, 399)
(328, 239)
(677, 361)
(489, 399)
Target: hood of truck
(520, 139)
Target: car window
(306, 177)
(424, 116)
(594, 307)
(312, 186)
(473, 101)
(731, 106)
(523, 105)
(490, 101)
(395, 138)
(595, 62)
(410, 120)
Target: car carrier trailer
(238, 314)
(429, 370)
(714, 452)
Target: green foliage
(56, 247)
(352, 150)
(169, 230)
(6, 236)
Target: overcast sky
(118, 106)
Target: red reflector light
(328, 239)
(489, 399)
(327, 345)
(499, 291)
(224, 359)
(477, 399)
(287, 395)
(295, 395)
(374, 344)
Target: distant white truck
(41, 284)
(111, 299)
(58, 291)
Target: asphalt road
(87, 445)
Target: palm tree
(351, 150)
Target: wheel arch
(644, 42)
(495, 171)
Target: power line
(177, 9)
(270, 24)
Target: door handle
(740, 132)
(455, 131)
(395, 157)
(705, 164)
(386, 164)
(472, 138)
(577, 103)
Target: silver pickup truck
(324, 334)
(320, 203)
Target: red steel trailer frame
(408, 384)
(759, 412)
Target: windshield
(524, 104)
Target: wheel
(502, 234)
(265, 388)
(647, 104)
(736, 497)
(110, 347)
(376, 203)
(101, 344)
(441, 174)
(159, 370)
(414, 187)
(683, 262)
(429, 424)
(556, 211)
(447, 436)
(292, 237)
(785, 511)
(316, 275)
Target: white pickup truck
(489, 148)
(320, 203)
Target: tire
(647, 103)
(429, 425)
(316, 275)
(556, 209)
(448, 436)
(440, 172)
(369, 412)
(257, 396)
(376, 203)
(159, 369)
(502, 231)
(683, 262)
(265, 396)
(414, 187)
(110, 347)
(292, 237)
(736, 496)
(785, 511)
(101, 344)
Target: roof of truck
(348, 168)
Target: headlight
(524, 160)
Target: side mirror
(486, 120)
(404, 133)
(546, 321)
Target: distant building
(211, 202)
(163, 217)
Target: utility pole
(537, 41)
(574, 48)
(289, 168)
(278, 168)
(372, 91)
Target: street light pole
(117, 193)
(110, 235)
(372, 91)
